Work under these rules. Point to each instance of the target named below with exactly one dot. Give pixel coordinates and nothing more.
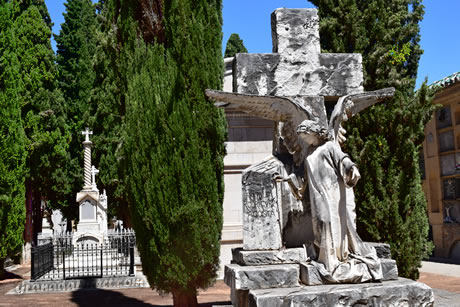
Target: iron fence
(62, 259)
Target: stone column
(87, 159)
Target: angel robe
(332, 208)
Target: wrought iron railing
(62, 259)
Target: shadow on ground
(103, 297)
(5, 275)
(100, 297)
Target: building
(441, 171)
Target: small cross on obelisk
(87, 158)
(94, 172)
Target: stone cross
(87, 133)
(297, 66)
(87, 159)
(94, 172)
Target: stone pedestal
(271, 278)
(400, 292)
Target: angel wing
(280, 109)
(350, 105)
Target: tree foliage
(76, 46)
(12, 140)
(42, 116)
(172, 146)
(234, 45)
(385, 141)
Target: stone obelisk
(87, 159)
(92, 223)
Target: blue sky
(251, 20)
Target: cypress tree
(107, 103)
(42, 115)
(385, 140)
(234, 45)
(12, 141)
(173, 144)
(76, 45)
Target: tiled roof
(449, 80)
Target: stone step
(265, 257)
(310, 276)
(401, 292)
(261, 277)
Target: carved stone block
(289, 255)
(389, 269)
(261, 277)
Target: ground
(443, 278)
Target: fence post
(32, 263)
(102, 259)
(131, 259)
(63, 264)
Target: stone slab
(289, 255)
(401, 292)
(261, 277)
(56, 286)
(262, 225)
(310, 276)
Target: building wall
(441, 153)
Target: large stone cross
(297, 67)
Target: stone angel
(328, 173)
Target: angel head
(312, 132)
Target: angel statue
(328, 172)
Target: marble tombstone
(298, 204)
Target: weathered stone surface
(382, 249)
(389, 269)
(289, 255)
(310, 276)
(262, 225)
(297, 66)
(255, 73)
(401, 292)
(261, 277)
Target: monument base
(401, 292)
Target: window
(443, 117)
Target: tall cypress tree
(76, 45)
(42, 115)
(12, 141)
(385, 140)
(173, 143)
(234, 45)
(107, 102)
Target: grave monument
(298, 204)
(92, 225)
